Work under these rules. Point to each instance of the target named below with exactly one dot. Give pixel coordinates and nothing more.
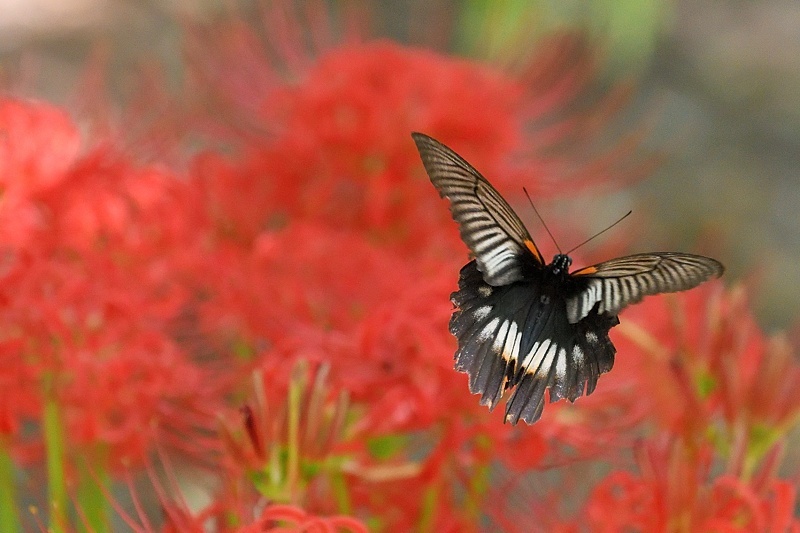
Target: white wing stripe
(536, 354)
(561, 365)
(485, 238)
(547, 363)
(626, 280)
(488, 330)
(512, 340)
(488, 225)
(500, 338)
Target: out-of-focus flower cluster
(277, 314)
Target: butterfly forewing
(615, 284)
(488, 225)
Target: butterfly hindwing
(488, 226)
(615, 284)
(518, 336)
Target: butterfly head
(560, 265)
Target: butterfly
(526, 325)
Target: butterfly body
(518, 336)
(525, 325)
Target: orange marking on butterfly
(585, 271)
(534, 250)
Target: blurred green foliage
(628, 29)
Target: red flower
(331, 245)
(706, 371)
(331, 144)
(90, 290)
(317, 240)
(675, 491)
(285, 518)
(38, 145)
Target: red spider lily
(325, 227)
(676, 492)
(317, 240)
(673, 489)
(295, 451)
(323, 137)
(89, 289)
(709, 372)
(289, 433)
(326, 148)
(285, 518)
(718, 391)
(389, 347)
(38, 144)
(310, 274)
(366, 312)
(238, 510)
(338, 157)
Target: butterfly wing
(488, 225)
(518, 337)
(615, 284)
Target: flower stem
(478, 485)
(54, 443)
(91, 496)
(340, 493)
(9, 521)
(293, 438)
(427, 517)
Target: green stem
(478, 485)
(56, 480)
(9, 520)
(427, 518)
(341, 494)
(91, 495)
(293, 451)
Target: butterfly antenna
(541, 219)
(600, 232)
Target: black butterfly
(524, 324)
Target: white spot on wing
(561, 364)
(515, 350)
(577, 355)
(482, 312)
(485, 291)
(488, 330)
(500, 339)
